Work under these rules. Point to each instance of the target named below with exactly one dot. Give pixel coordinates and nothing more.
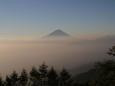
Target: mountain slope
(86, 76)
(80, 69)
(57, 33)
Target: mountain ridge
(57, 33)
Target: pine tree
(1, 81)
(34, 76)
(14, 78)
(65, 78)
(8, 81)
(52, 77)
(23, 78)
(43, 74)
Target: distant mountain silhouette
(57, 33)
(81, 69)
(86, 76)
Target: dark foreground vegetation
(38, 77)
(43, 76)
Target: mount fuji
(57, 33)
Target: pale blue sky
(40, 17)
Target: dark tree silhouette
(65, 78)
(52, 77)
(43, 73)
(34, 77)
(1, 81)
(111, 51)
(107, 78)
(14, 78)
(8, 81)
(40, 77)
(23, 78)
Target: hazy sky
(33, 18)
(28, 19)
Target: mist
(69, 53)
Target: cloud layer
(69, 53)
